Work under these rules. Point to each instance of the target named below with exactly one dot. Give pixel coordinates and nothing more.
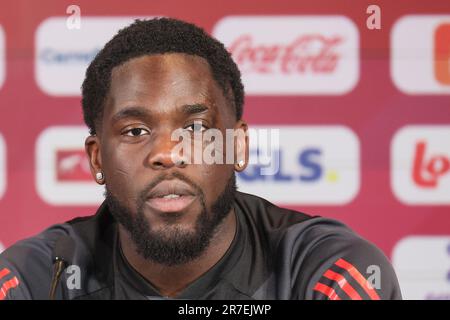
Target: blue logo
(53, 56)
(308, 161)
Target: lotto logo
(420, 165)
(428, 171)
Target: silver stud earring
(241, 163)
(99, 176)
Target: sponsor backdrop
(362, 106)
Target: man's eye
(196, 127)
(135, 132)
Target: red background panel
(375, 109)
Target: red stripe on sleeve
(358, 277)
(4, 272)
(14, 282)
(326, 290)
(343, 283)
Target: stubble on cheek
(121, 184)
(212, 174)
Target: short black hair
(157, 36)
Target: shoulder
(328, 260)
(26, 267)
(315, 257)
(267, 214)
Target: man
(171, 228)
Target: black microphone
(62, 256)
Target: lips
(171, 196)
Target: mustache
(173, 175)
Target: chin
(158, 221)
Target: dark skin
(135, 148)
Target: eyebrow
(144, 113)
(131, 112)
(190, 109)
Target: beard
(172, 245)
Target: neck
(171, 280)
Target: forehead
(167, 79)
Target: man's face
(158, 201)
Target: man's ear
(242, 146)
(93, 151)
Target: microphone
(62, 255)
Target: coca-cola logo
(314, 53)
(292, 55)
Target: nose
(163, 155)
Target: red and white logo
(420, 54)
(62, 168)
(72, 165)
(420, 165)
(293, 54)
(427, 172)
(2, 166)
